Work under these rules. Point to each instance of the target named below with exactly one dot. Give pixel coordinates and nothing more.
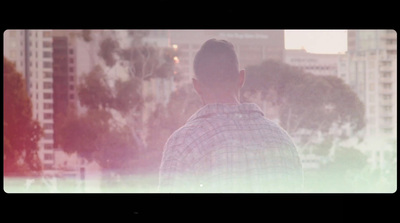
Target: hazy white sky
(317, 41)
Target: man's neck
(226, 99)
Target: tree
(94, 134)
(110, 131)
(342, 174)
(184, 102)
(21, 132)
(303, 102)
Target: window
(387, 85)
(71, 60)
(48, 136)
(47, 64)
(48, 156)
(48, 126)
(47, 54)
(47, 85)
(48, 105)
(387, 108)
(71, 69)
(387, 96)
(71, 96)
(48, 75)
(71, 87)
(387, 74)
(48, 146)
(48, 115)
(47, 44)
(71, 51)
(47, 34)
(71, 78)
(47, 95)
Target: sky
(317, 41)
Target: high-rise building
(64, 77)
(46, 59)
(32, 51)
(370, 68)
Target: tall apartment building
(64, 76)
(32, 51)
(370, 68)
(47, 59)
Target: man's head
(217, 71)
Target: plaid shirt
(230, 148)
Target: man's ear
(197, 86)
(242, 78)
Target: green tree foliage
(94, 91)
(93, 135)
(341, 174)
(183, 103)
(109, 132)
(318, 112)
(21, 133)
(303, 100)
(94, 138)
(107, 49)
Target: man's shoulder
(184, 135)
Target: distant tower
(46, 60)
(370, 68)
(32, 51)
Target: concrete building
(47, 60)
(318, 64)
(370, 68)
(32, 51)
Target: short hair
(216, 63)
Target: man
(227, 146)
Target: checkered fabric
(230, 148)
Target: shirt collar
(221, 109)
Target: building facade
(318, 64)
(46, 58)
(32, 51)
(370, 69)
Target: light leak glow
(317, 41)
